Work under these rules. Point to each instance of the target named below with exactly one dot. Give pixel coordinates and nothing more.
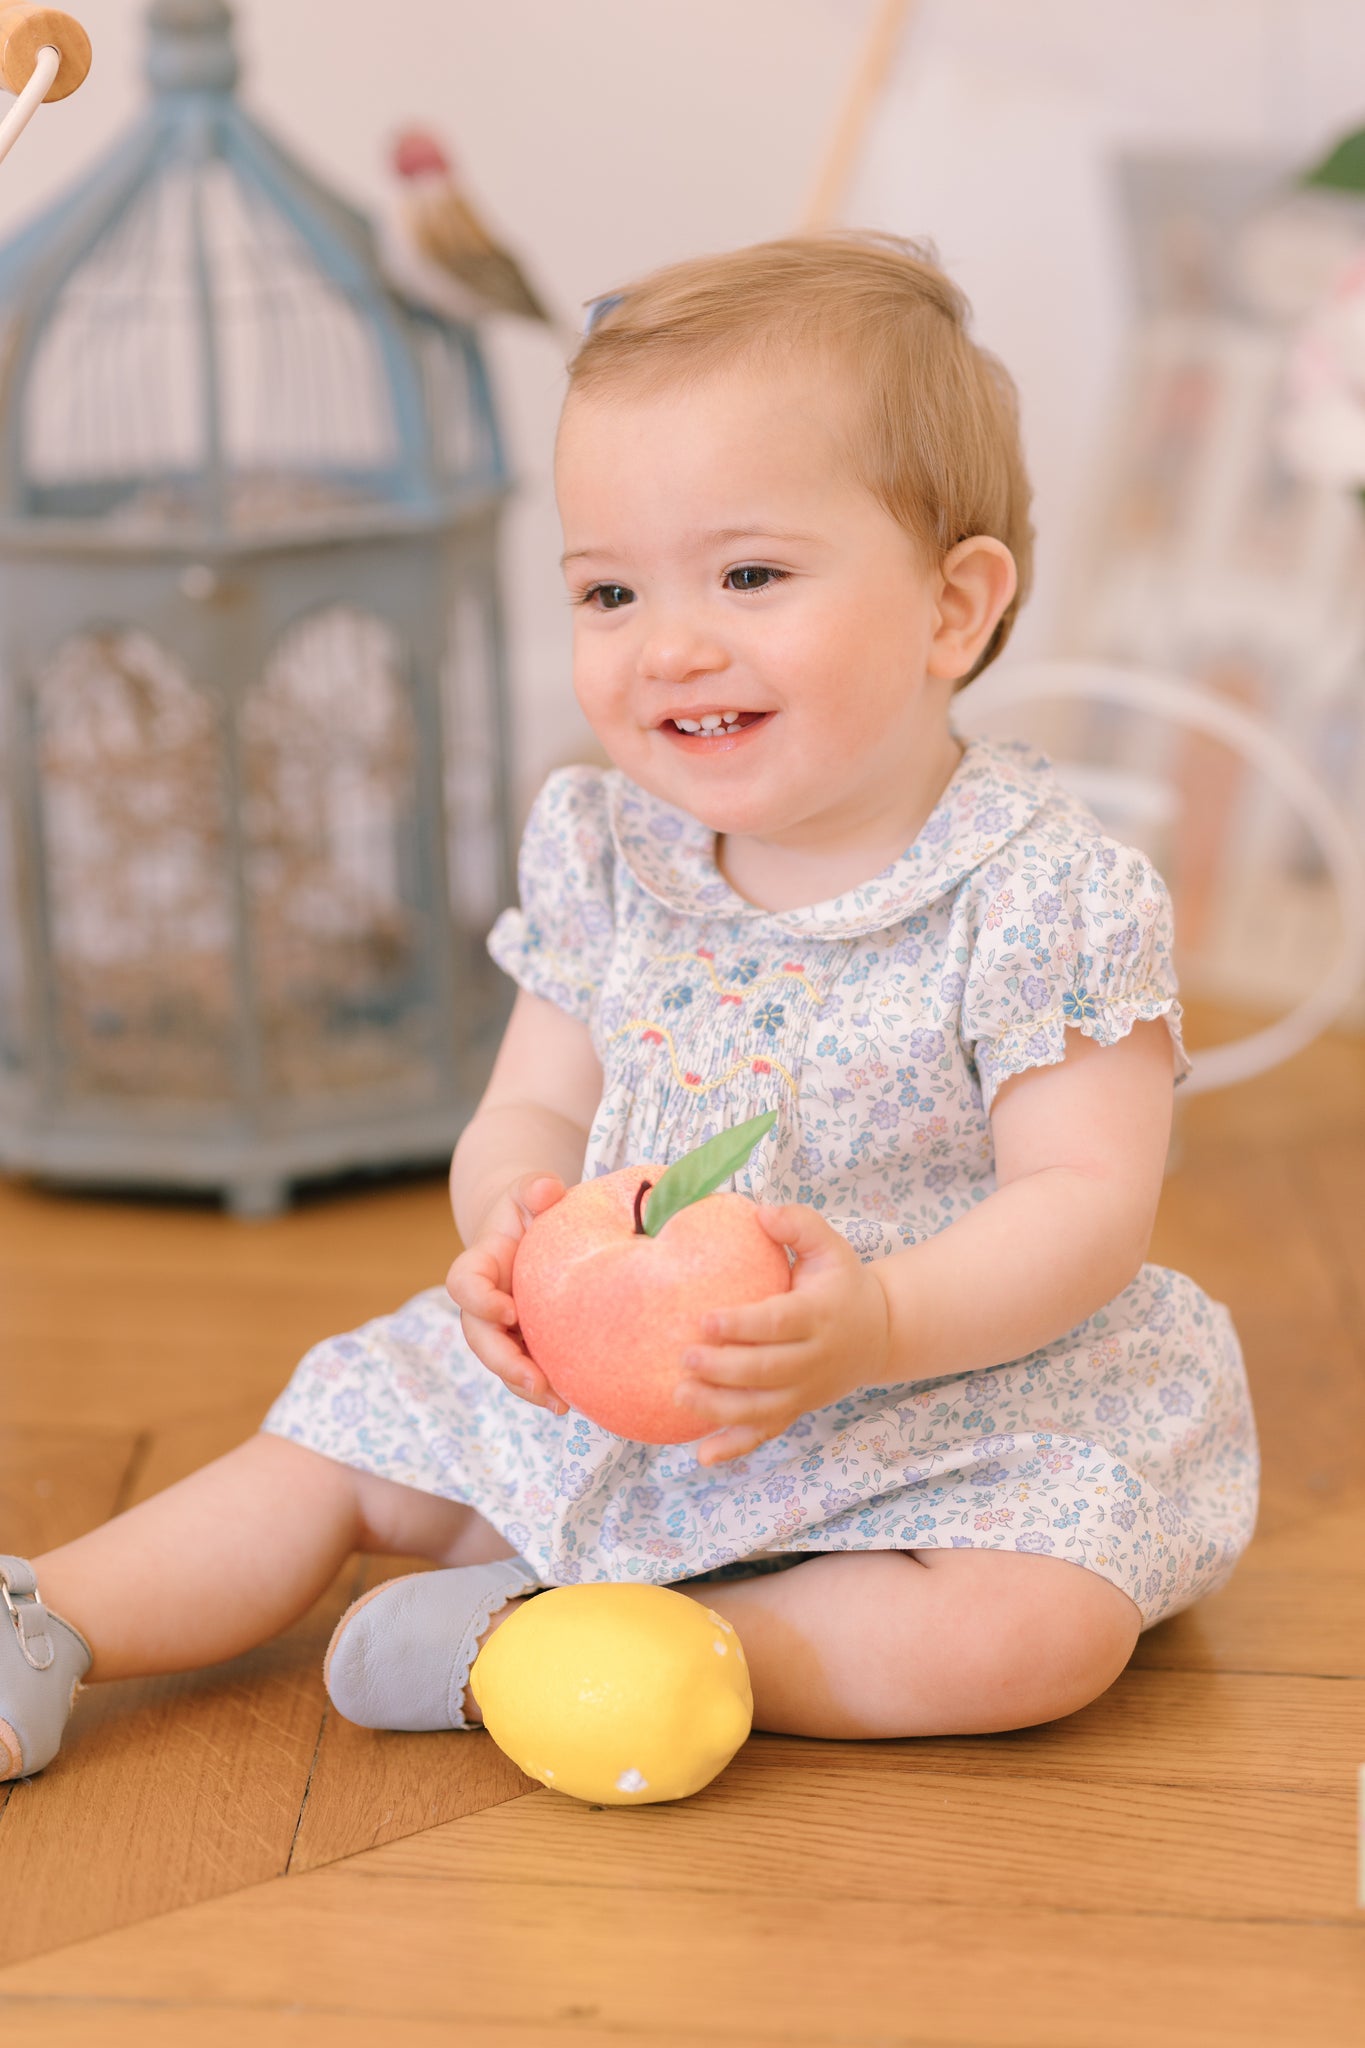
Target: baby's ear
(979, 579)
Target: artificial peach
(607, 1310)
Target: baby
(943, 1483)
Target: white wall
(607, 136)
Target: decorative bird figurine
(438, 253)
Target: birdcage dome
(199, 346)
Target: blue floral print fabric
(879, 1025)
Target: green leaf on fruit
(702, 1172)
(1343, 168)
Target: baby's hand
(775, 1360)
(480, 1285)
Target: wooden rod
(24, 30)
(865, 88)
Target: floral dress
(878, 1025)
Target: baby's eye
(750, 576)
(613, 596)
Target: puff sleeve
(558, 942)
(1079, 941)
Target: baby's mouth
(714, 725)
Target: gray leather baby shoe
(42, 1662)
(400, 1655)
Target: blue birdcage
(253, 810)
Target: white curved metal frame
(1184, 703)
(46, 66)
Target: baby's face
(724, 566)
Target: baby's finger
(486, 1258)
(780, 1319)
(500, 1350)
(537, 1191)
(733, 1404)
(504, 1354)
(475, 1288)
(740, 1365)
(809, 1236)
(507, 1361)
(730, 1443)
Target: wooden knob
(26, 30)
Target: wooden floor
(217, 1857)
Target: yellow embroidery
(742, 990)
(694, 1083)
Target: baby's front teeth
(714, 721)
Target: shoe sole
(11, 1753)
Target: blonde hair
(935, 429)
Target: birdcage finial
(191, 46)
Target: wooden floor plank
(785, 1963)
(55, 2022)
(368, 1789)
(1319, 1093)
(1261, 1621)
(1303, 1359)
(57, 1481)
(1197, 1729)
(174, 1763)
(181, 1308)
(861, 1828)
(1334, 1177)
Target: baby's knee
(402, 1521)
(1038, 1637)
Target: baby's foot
(42, 1662)
(400, 1656)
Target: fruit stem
(641, 1192)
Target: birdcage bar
(37, 1005)
(258, 163)
(95, 214)
(482, 571)
(210, 388)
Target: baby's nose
(676, 651)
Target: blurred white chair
(1154, 801)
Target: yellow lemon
(618, 1694)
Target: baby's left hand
(774, 1360)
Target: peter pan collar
(998, 787)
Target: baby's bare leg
(935, 1642)
(231, 1555)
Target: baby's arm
(1080, 1149)
(524, 1145)
(535, 1113)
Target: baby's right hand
(480, 1285)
